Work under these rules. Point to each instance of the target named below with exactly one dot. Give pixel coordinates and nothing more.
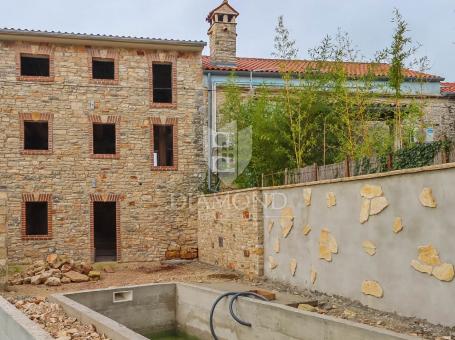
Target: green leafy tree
(285, 46)
(398, 55)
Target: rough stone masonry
(3, 252)
(69, 178)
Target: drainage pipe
(235, 297)
(231, 310)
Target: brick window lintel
(103, 54)
(41, 49)
(166, 121)
(37, 117)
(163, 58)
(96, 119)
(36, 197)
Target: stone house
(253, 72)
(103, 142)
(99, 136)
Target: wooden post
(315, 171)
(286, 176)
(347, 166)
(262, 180)
(389, 161)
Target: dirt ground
(195, 272)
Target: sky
(431, 22)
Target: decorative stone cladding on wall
(150, 221)
(230, 231)
(385, 240)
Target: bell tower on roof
(223, 34)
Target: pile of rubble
(54, 271)
(54, 320)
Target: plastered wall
(386, 241)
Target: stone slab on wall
(230, 231)
(340, 255)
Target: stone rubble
(55, 271)
(54, 320)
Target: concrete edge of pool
(15, 325)
(124, 312)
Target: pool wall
(14, 325)
(187, 307)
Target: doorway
(105, 231)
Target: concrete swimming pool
(182, 311)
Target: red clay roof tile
(448, 88)
(353, 69)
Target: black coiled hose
(235, 295)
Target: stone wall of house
(230, 231)
(3, 249)
(440, 114)
(150, 220)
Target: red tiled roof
(353, 69)
(448, 88)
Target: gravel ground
(195, 272)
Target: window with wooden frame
(104, 136)
(36, 133)
(164, 144)
(36, 216)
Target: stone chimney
(223, 34)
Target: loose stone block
(426, 198)
(307, 308)
(397, 225)
(372, 288)
(293, 266)
(423, 268)
(327, 245)
(444, 272)
(378, 204)
(364, 211)
(369, 247)
(331, 200)
(307, 196)
(306, 230)
(371, 191)
(429, 255)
